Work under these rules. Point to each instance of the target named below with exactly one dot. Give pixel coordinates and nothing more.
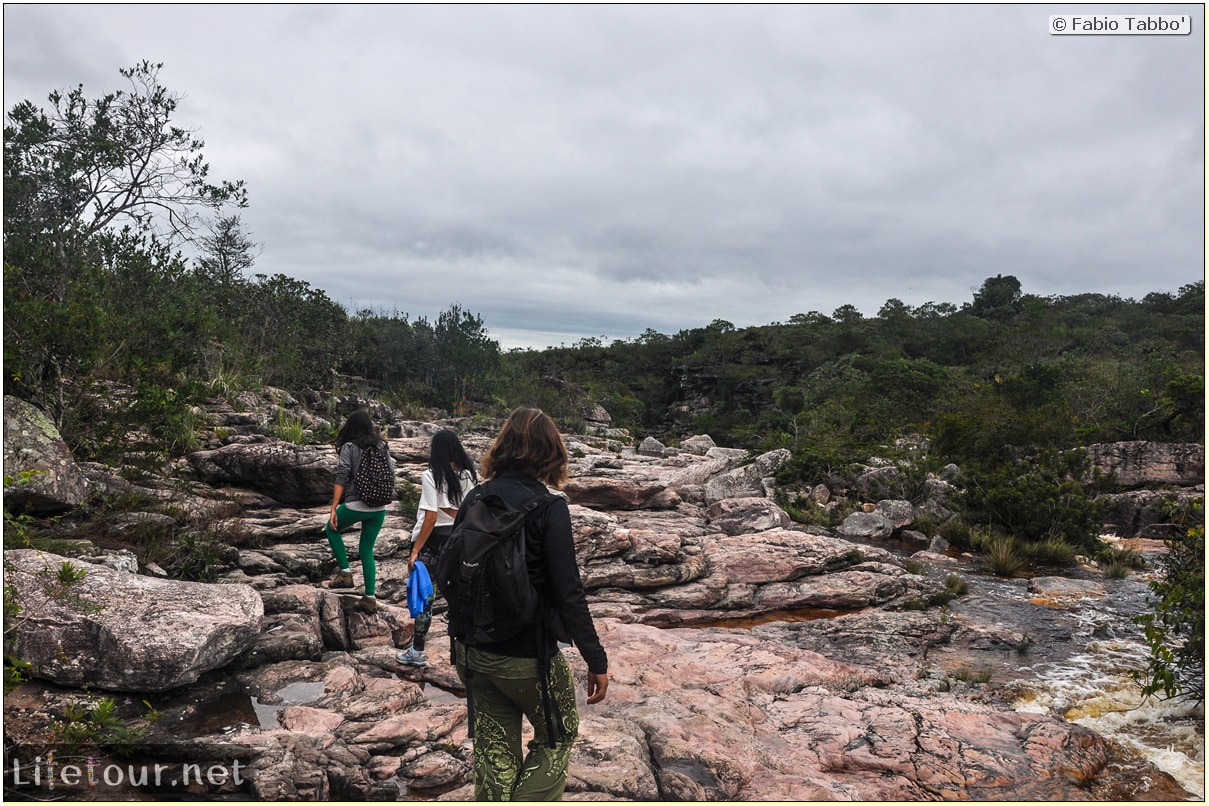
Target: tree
(998, 297)
(467, 355)
(894, 310)
(85, 164)
(847, 314)
(1035, 498)
(226, 252)
(78, 178)
(297, 332)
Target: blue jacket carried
(419, 588)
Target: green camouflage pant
(504, 690)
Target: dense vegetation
(1003, 372)
(110, 329)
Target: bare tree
(85, 165)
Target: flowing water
(1080, 665)
(1095, 686)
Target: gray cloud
(572, 171)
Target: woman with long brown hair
(526, 676)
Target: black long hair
(447, 460)
(360, 430)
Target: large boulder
(652, 447)
(866, 525)
(700, 444)
(1136, 464)
(667, 579)
(1147, 513)
(291, 474)
(124, 632)
(899, 513)
(753, 480)
(736, 516)
(46, 478)
(605, 492)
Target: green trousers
(371, 524)
(503, 690)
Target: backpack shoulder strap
(538, 502)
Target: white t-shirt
(434, 500)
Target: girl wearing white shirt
(450, 475)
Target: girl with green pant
(357, 435)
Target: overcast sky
(594, 171)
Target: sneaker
(412, 658)
(342, 579)
(368, 604)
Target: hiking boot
(412, 658)
(342, 579)
(368, 604)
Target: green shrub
(958, 532)
(409, 498)
(1003, 556)
(1175, 631)
(1036, 499)
(98, 727)
(910, 483)
(802, 509)
(1053, 550)
(1115, 555)
(968, 675)
(289, 429)
(926, 524)
(168, 415)
(954, 586)
(196, 556)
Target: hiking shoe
(342, 579)
(368, 604)
(412, 658)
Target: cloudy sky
(594, 171)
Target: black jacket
(554, 570)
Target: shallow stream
(1079, 663)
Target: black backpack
(483, 573)
(373, 479)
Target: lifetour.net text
(74, 773)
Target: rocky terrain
(750, 658)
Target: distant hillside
(1004, 373)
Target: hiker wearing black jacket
(504, 679)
